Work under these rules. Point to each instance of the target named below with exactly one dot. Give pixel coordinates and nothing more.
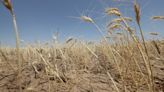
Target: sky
(38, 20)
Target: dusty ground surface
(76, 73)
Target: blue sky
(39, 19)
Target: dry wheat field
(122, 61)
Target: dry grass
(89, 67)
(124, 65)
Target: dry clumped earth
(75, 69)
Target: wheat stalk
(8, 5)
(89, 19)
(137, 13)
(114, 83)
(135, 39)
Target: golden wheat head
(87, 19)
(137, 12)
(119, 20)
(112, 11)
(8, 5)
(158, 17)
